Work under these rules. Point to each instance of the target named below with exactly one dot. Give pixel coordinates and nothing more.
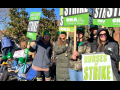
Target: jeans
(75, 75)
(5, 50)
(6, 75)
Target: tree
(48, 22)
(19, 23)
(91, 15)
(4, 18)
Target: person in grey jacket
(105, 43)
(42, 58)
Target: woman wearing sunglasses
(105, 43)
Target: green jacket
(84, 48)
(62, 73)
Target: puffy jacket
(6, 42)
(82, 49)
(110, 44)
(113, 46)
(62, 72)
(43, 54)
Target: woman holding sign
(43, 56)
(60, 49)
(75, 63)
(105, 43)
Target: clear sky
(29, 10)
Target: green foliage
(48, 23)
(19, 23)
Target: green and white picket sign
(113, 22)
(76, 20)
(97, 67)
(108, 17)
(101, 22)
(99, 17)
(34, 16)
(32, 35)
(75, 16)
(32, 29)
(66, 29)
(112, 17)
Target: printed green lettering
(95, 72)
(105, 57)
(97, 58)
(108, 72)
(99, 72)
(85, 59)
(86, 76)
(93, 59)
(101, 57)
(91, 68)
(103, 72)
(89, 59)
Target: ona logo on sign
(65, 29)
(30, 34)
(101, 21)
(71, 19)
(116, 20)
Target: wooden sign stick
(67, 44)
(75, 38)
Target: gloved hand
(65, 49)
(67, 41)
(108, 52)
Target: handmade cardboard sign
(19, 53)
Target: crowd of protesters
(68, 66)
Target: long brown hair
(99, 44)
(60, 42)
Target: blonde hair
(60, 42)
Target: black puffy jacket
(112, 46)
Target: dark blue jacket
(43, 56)
(6, 42)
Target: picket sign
(97, 67)
(72, 17)
(32, 29)
(19, 53)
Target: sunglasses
(101, 35)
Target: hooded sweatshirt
(112, 46)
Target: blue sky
(29, 10)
